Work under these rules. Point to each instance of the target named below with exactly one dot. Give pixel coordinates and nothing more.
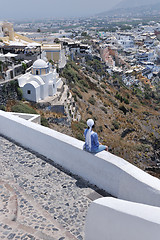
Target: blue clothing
(100, 148)
(95, 146)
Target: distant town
(130, 49)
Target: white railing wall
(107, 171)
(114, 219)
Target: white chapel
(41, 83)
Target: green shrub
(95, 118)
(98, 94)
(83, 83)
(134, 105)
(80, 136)
(126, 101)
(44, 122)
(112, 101)
(83, 89)
(75, 97)
(123, 109)
(23, 108)
(118, 96)
(80, 126)
(13, 84)
(2, 107)
(24, 66)
(90, 112)
(100, 129)
(19, 93)
(91, 100)
(104, 109)
(103, 85)
(74, 90)
(115, 124)
(146, 113)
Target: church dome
(40, 64)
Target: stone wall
(9, 91)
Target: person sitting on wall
(91, 139)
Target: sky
(39, 9)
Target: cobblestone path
(38, 199)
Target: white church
(40, 83)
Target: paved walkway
(39, 200)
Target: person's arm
(98, 143)
(84, 146)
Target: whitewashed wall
(107, 171)
(114, 219)
(29, 117)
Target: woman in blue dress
(91, 139)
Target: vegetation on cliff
(126, 119)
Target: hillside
(127, 120)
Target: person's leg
(100, 148)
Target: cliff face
(127, 120)
(9, 91)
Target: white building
(125, 40)
(41, 83)
(145, 56)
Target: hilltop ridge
(133, 8)
(136, 3)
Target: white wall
(107, 171)
(30, 117)
(114, 219)
(108, 219)
(34, 92)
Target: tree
(56, 40)
(24, 67)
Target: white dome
(40, 64)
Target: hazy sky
(20, 9)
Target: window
(36, 72)
(29, 92)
